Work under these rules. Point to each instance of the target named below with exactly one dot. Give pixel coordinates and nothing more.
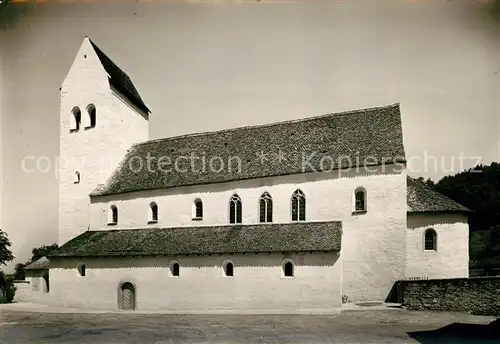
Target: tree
(429, 182)
(5, 252)
(7, 289)
(19, 272)
(36, 253)
(42, 251)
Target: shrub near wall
(7, 289)
(478, 295)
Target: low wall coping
(450, 279)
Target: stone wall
(478, 295)
(23, 291)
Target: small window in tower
(77, 177)
(153, 213)
(75, 119)
(92, 115)
(198, 209)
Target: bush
(10, 292)
(19, 273)
(7, 289)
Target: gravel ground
(364, 326)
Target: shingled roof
(369, 136)
(119, 79)
(422, 199)
(39, 264)
(272, 237)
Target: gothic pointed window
(266, 207)
(298, 206)
(235, 209)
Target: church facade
(293, 217)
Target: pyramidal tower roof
(119, 79)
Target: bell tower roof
(118, 78)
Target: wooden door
(128, 297)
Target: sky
(209, 65)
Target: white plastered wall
(93, 152)
(373, 244)
(201, 287)
(451, 259)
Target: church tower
(102, 115)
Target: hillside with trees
(479, 190)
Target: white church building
(290, 217)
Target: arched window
(228, 267)
(153, 212)
(198, 209)
(113, 215)
(92, 115)
(360, 200)
(298, 206)
(76, 119)
(77, 177)
(287, 268)
(430, 240)
(81, 269)
(174, 268)
(266, 207)
(235, 209)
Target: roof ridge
(100, 51)
(298, 120)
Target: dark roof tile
(422, 199)
(39, 264)
(369, 136)
(290, 237)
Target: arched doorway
(127, 296)
(46, 287)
